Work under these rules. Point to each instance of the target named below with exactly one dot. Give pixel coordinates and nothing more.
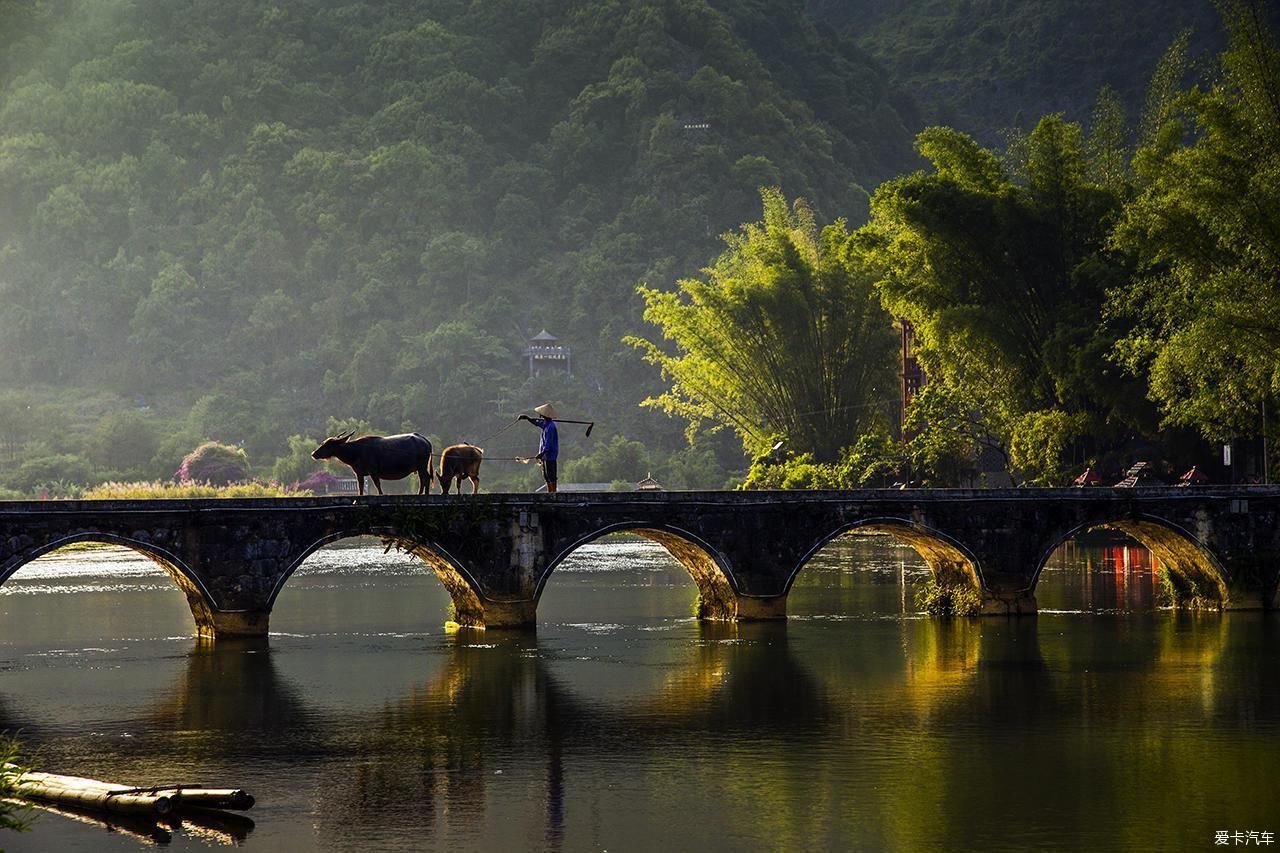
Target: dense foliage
(1207, 229)
(785, 340)
(984, 65)
(1002, 268)
(280, 213)
(240, 222)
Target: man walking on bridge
(549, 446)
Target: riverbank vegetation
(14, 815)
(1073, 300)
(172, 491)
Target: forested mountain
(328, 208)
(247, 218)
(985, 65)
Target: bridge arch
(1198, 579)
(718, 596)
(197, 595)
(949, 561)
(463, 589)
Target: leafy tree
(620, 458)
(1002, 271)
(452, 376)
(950, 430)
(215, 464)
(1207, 229)
(877, 459)
(1040, 442)
(784, 338)
(124, 442)
(173, 311)
(50, 469)
(297, 465)
(798, 472)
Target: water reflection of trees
(992, 717)
(996, 708)
(431, 759)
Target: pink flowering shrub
(321, 483)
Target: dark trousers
(549, 471)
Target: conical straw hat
(546, 410)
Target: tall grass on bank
(13, 814)
(938, 599)
(172, 491)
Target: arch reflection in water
(83, 592)
(1136, 564)
(360, 585)
(507, 721)
(859, 574)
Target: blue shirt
(549, 447)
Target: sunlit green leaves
(1206, 226)
(1002, 270)
(782, 339)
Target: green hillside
(277, 213)
(239, 220)
(985, 65)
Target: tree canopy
(355, 209)
(1000, 263)
(235, 222)
(1206, 226)
(785, 338)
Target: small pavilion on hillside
(546, 353)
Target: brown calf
(458, 461)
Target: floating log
(121, 799)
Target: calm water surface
(624, 724)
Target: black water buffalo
(390, 457)
(458, 461)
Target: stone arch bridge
(494, 553)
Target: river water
(626, 725)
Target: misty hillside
(985, 65)
(247, 218)
(365, 209)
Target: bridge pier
(501, 614)
(1008, 603)
(752, 608)
(228, 624)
